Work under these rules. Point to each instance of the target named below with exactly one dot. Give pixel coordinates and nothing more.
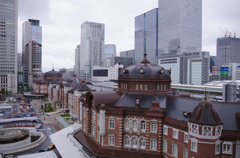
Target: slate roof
(106, 97)
(205, 114)
(53, 72)
(146, 100)
(226, 110)
(150, 71)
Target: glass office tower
(31, 31)
(110, 51)
(179, 26)
(92, 48)
(146, 27)
(8, 44)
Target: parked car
(52, 146)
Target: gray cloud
(61, 21)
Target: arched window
(135, 125)
(143, 126)
(127, 124)
(134, 142)
(126, 141)
(142, 143)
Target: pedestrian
(44, 118)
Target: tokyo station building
(143, 117)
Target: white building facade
(187, 68)
(106, 73)
(8, 44)
(92, 47)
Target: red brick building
(143, 117)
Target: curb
(43, 140)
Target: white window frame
(153, 147)
(194, 144)
(134, 139)
(111, 120)
(126, 124)
(143, 125)
(165, 144)
(186, 137)
(142, 143)
(175, 131)
(135, 125)
(165, 130)
(111, 140)
(231, 147)
(153, 130)
(175, 146)
(98, 136)
(217, 148)
(126, 139)
(185, 153)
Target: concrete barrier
(16, 144)
(25, 146)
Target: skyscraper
(8, 44)
(146, 27)
(31, 31)
(33, 60)
(179, 26)
(77, 61)
(110, 50)
(32, 40)
(92, 47)
(227, 51)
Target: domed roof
(145, 69)
(204, 113)
(53, 72)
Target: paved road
(49, 130)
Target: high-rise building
(179, 26)
(227, 51)
(8, 44)
(110, 50)
(31, 31)
(92, 47)
(187, 68)
(146, 28)
(128, 53)
(212, 62)
(77, 61)
(33, 60)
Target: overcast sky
(61, 21)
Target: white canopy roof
(63, 144)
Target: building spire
(145, 61)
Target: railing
(80, 147)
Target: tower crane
(225, 33)
(234, 34)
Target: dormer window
(138, 101)
(141, 71)
(161, 71)
(124, 71)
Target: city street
(49, 130)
